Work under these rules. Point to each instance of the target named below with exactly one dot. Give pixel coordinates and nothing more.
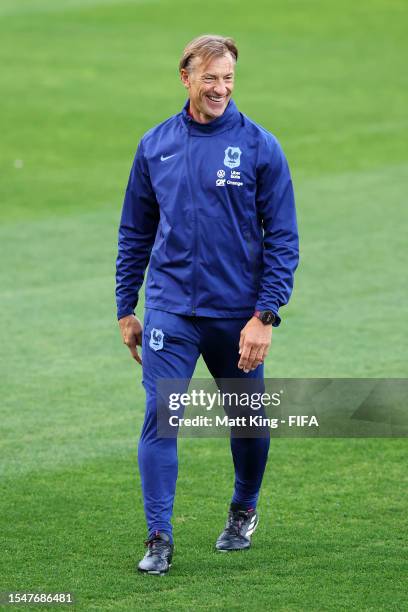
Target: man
(210, 204)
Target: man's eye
(208, 79)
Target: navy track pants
(185, 338)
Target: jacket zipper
(195, 245)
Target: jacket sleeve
(276, 206)
(137, 232)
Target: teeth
(215, 99)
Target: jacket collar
(230, 117)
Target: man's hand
(131, 330)
(254, 344)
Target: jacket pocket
(249, 243)
(253, 250)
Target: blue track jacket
(212, 207)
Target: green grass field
(81, 81)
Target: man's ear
(185, 78)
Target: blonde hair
(207, 46)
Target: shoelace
(155, 545)
(235, 521)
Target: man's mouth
(216, 98)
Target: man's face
(209, 86)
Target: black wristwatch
(266, 316)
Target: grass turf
(82, 82)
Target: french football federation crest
(232, 157)
(156, 339)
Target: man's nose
(220, 88)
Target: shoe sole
(153, 573)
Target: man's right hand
(131, 330)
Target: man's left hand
(254, 344)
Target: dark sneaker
(157, 560)
(240, 526)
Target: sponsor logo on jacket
(232, 180)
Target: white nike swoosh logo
(163, 158)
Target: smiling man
(209, 204)
(209, 84)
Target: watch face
(267, 317)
